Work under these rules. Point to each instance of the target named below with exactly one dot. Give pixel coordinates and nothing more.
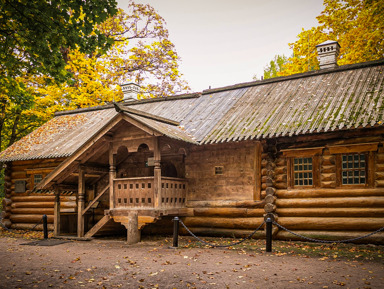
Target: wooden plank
(353, 148)
(302, 152)
(95, 199)
(103, 221)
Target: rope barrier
(328, 241)
(221, 246)
(21, 233)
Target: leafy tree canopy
(358, 26)
(275, 66)
(140, 52)
(36, 35)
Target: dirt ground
(111, 263)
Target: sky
(226, 42)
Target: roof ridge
(296, 76)
(110, 105)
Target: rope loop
(221, 246)
(328, 241)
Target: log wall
(330, 210)
(24, 210)
(228, 203)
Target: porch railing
(139, 192)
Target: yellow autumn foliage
(358, 26)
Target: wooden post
(56, 213)
(257, 168)
(157, 173)
(112, 176)
(133, 232)
(80, 203)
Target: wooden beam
(112, 176)
(95, 199)
(121, 108)
(56, 213)
(257, 168)
(50, 177)
(80, 203)
(98, 226)
(157, 173)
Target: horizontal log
(35, 198)
(328, 169)
(281, 162)
(330, 212)
(270, 191)
(29, 218)
(332, 236)
(5, 214)
(329, 184)
(46, 211)
(331, 202)
(33, 205)
(380, 158)
(332, 224)
(227, 212)
(6, 222)
(270, 199)
(281, 186)
(380, 167)
(229, 223)
(328, 159)
(219, 232)
(379, 183)
(6, 202)
(26, 226)
(7, 178)
(379, 175)
(328, 177)
(264, 163)
(281, 178)
(281, 170)
(225, 204)
(324, 193)
(270, 208)
(264, 172)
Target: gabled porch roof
(152, 127)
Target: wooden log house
(307, 148)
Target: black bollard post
(175, 232)
(268, 232)
(45, 226)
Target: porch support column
(80, 202)
(157, 173)
(56, 213)
(112, 176)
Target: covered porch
(129, 176)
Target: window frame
(313, 153)
(368, 149)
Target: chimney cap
(130, 91)
(328, 42)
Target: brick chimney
(328, 52)
(130, 91)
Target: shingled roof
(349, 97)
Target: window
(303, 167)
(353, 169)
(219, 170)
(303, 174)
(37, 179)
